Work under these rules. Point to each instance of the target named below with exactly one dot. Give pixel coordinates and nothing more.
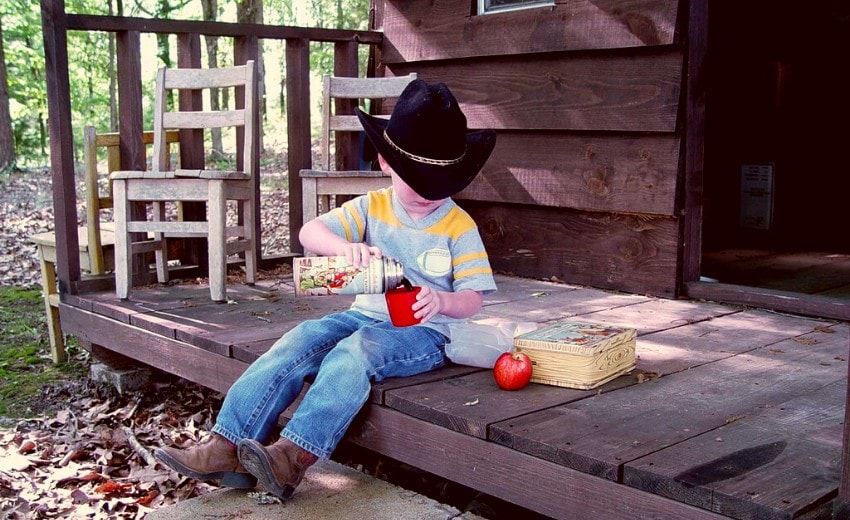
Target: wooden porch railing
(56, 23)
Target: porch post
(347, 151)
(298, 129)
(55, 31)
(694, 142)
(248, 48)
(192, 250)
(130, 127)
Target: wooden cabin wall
(585, 96)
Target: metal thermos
(321, 275)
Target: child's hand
(358, 254)
(428, 304)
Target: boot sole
(229, 479)
(255, 459)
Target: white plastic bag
(478, 343)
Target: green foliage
(89, 61)
(25, 365)
(25, 67)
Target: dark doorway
(777, 146)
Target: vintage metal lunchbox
(578, 354)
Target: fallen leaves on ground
(92, 458)
(26, 209)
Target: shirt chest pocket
(435, 262)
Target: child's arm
(462, 304)
(317, 237)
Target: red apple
(512, 370)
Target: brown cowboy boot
(279, 467)
(214, 459)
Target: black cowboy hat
(426, 141)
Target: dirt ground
(86, 453)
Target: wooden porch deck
(731, 412)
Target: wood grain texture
(842, 503)
(444, 29)
(469, 404)
(785, 457)
(635, 253)
(537, 485)
(550, 306)
(657, 314)
(192, 363)
(785, 301)
(634, 174)
(694, 157)
(600, 434)
(682, 348)
(721, 367)
(563, 92)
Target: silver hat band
(424, 160)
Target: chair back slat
(196, 79)
(218, 119)
(368, 88)
(344, 124)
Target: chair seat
(107, 238)
(46, 243)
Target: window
(498, 6)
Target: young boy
(430, 155)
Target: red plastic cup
(400, 304)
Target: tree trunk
(210, 8)
(7, 137)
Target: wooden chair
(96, 239)
(215, 187)
(317, 185)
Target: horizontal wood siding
(634, 174)
(633, 253)
(563, 91)
(445, 29)
(586, 97)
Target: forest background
(91, 56)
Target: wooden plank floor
(731, 412)
(810, 272)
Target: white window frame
(484, 6)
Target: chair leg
(51, 296)
(217, 237)
(123, 266)
(309, 198)
(161, 251)
(251, 238)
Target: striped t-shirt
(442, 250)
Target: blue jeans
(340, 353)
